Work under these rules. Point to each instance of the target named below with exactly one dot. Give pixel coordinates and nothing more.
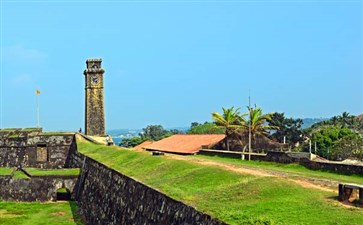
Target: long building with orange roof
(185, 143)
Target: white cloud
(20, 53)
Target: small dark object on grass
(158, 153)
(350, 192)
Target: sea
(116, 140)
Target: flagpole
(38, 111)
(37, 99)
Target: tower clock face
(94, 79)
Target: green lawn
(20, 175)
(62, 191)
(56, 133)
(9, 129)
(40, 172)
(5, 171)
(228, 196)
(34, 213)
(47, 172)
(31, 129)
(293, 168)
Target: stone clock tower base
(94, 108)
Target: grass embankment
(228, 196)
(5, 171)
(34, 213)
(40, 172)
(53, 172)
(56, 133)
(8, 171)
(293, 168)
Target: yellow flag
(37, 92)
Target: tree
(346, 120)
(350, 146)
(151, 132)
(286, 127)
(175, 131)
(326, 137)
(230, 120)
(343, 120)
(154, 132)
(257, 120)
(194, 124)
(257, 125)
(206, 128)
(131, 142)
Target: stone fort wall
(36, 188)
(106, 196)
(33, 148)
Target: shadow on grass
(335, 198)
(346, 203)
(75, 212)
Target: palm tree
(335, 120)
(230, 121)
(346, 119)
(257, 122)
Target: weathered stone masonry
(36, 188)
(94, 98)
(21, 148)
(33, 148)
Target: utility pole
(315, 147)
(249, 125)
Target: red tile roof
(185, 143)
(142, 145)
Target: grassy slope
(289, 168)
(21, 213)
(231, 197)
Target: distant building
(142, 145)
(185, 143)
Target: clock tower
(94, 108)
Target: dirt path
(307, 182)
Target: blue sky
(175, 62)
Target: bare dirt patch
(307, 184)
(58, 214)
(234, 168)
(314, 183)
